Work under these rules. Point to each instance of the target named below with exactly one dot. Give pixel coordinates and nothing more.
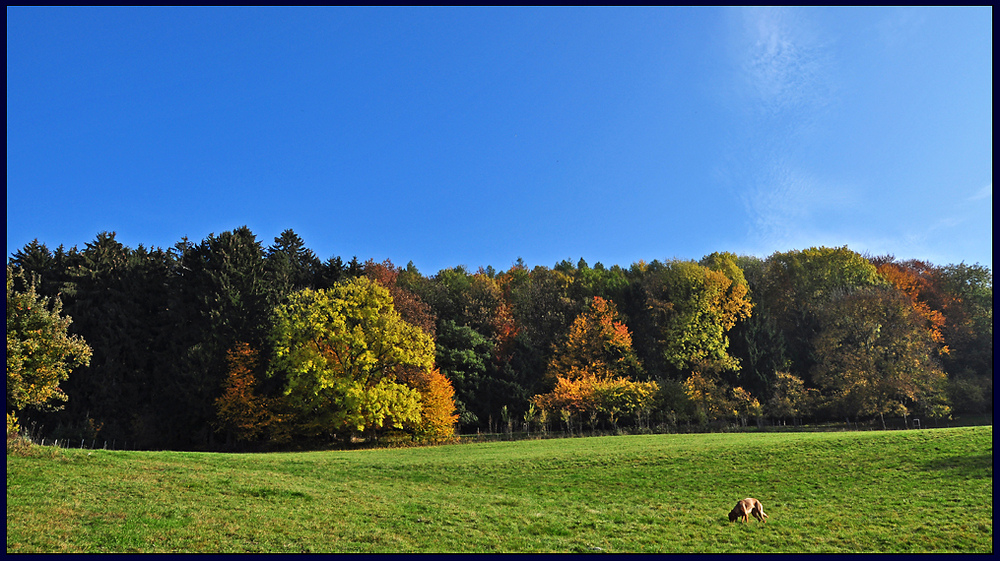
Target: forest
(230, 343)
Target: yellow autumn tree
(40, 351)
(351, 364)
(710, 397)
(337, 351)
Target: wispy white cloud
(787, 71)
(961, 210)
(958, 214)
(784, 75)
(986, 192)
(784, 61)
(957, 229)
(790, 207)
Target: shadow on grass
(980, 466)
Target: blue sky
(477, 136)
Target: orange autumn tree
(437, 402)
(487, 307)
(920, 283)
(592, 370)
(411, 308)
(597, 345)
(240, 410)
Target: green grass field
(897, 491)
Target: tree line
(228, 342)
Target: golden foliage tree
(790, 399)
(609, 399)
(40, 351)
(715, 400)
(711, 398)
(745, 405)
(338, 351)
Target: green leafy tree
(797, 285)
(757, 341)
(463, 355)
(968, 332)
(338, 351)
(876, 357)
(611, 284)
(40, 351)
(543, 311)
(483, 302)
(692, 307)
(790, 399)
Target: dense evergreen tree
(291, 265)
(464, 355)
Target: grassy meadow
(895, 491)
